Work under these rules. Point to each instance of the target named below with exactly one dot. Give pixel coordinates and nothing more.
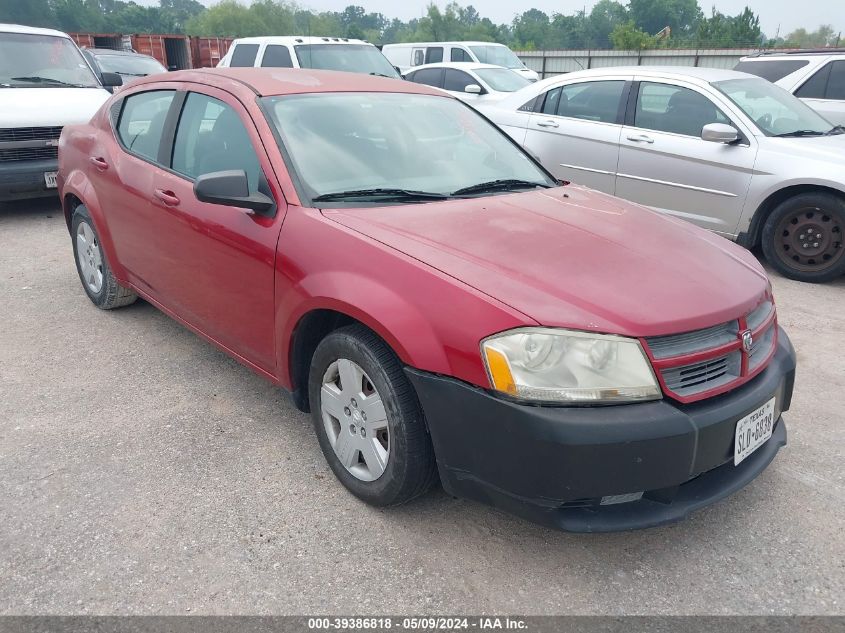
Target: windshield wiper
(403, 195)
(503, 184)
(48, 80)
(383, 75)
(836, 129)
(798, 133)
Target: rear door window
(244, 55)
(434, 54)
(773, 70)
(836, 82)
(141, 123)
(816, 86)
(592, 100)
(276, 56)
(551, 101)
(428, 76)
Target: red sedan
(438, 302)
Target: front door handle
(99, 163)
(547, 123)
(167, 197)
(640, 138)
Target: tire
(804, 237)
(407, 456)
(96, 276)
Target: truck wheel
(368, 420)
(804, 237)
(97, 279)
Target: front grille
(30, 134)
(29, 153)
(712, 360)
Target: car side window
(276, 56)
(551, 101)
(429, 77)
(674, 109)
(459, 55)
(457, 80)
(836, 82)
(592, 100)
(211, 137)
(816, 86)
(434, 54)
(419, 57)
(244, 55)
(141, 123)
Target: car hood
(48, 107)
(824, 148)
(573, 257)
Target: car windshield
(129, 65)
(42, 61)
(496, 55)
(355, 58)
(775, 111)
(502, 79)
(387, 141)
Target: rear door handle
(99, 163)
(640, 138)
(167, 197)
(547, 123)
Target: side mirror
(112, 80)
(473, 89)
(231, 188)
(719, 133)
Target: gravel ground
(143, 471)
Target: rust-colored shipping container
(173, 51)
(206, 52)
(98, 40)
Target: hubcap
(355, 420)
(89, 257)
(810, 240)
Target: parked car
(725, 150)
(408, 56)
(40, 69)
(326, 53)
(432, 296)
(468, 81)
(815, 77)
(127, 64)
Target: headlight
(552, 365)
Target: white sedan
(471, 82)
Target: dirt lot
(142, 471)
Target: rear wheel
(804, 237)
(97, 279)
(368, 420)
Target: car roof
(810, 53)
(450, 43)
(297, 39)
(114, 51)
(283, 81)
(705, 75)
(31, 30)
(459, 65)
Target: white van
(45, 84)
(325, 53)
(406, 56)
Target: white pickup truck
(45, 84)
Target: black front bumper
(553, 465)
(22, 179)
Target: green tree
(682, 16)
(227, 18)
(31, 12)
(629, 36)
(531, 29)
(603, 19)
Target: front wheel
(803, 237)
(368, 420)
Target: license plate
(50, 179)
(753, 430)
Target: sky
(774, 14)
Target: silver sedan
(725, 150)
